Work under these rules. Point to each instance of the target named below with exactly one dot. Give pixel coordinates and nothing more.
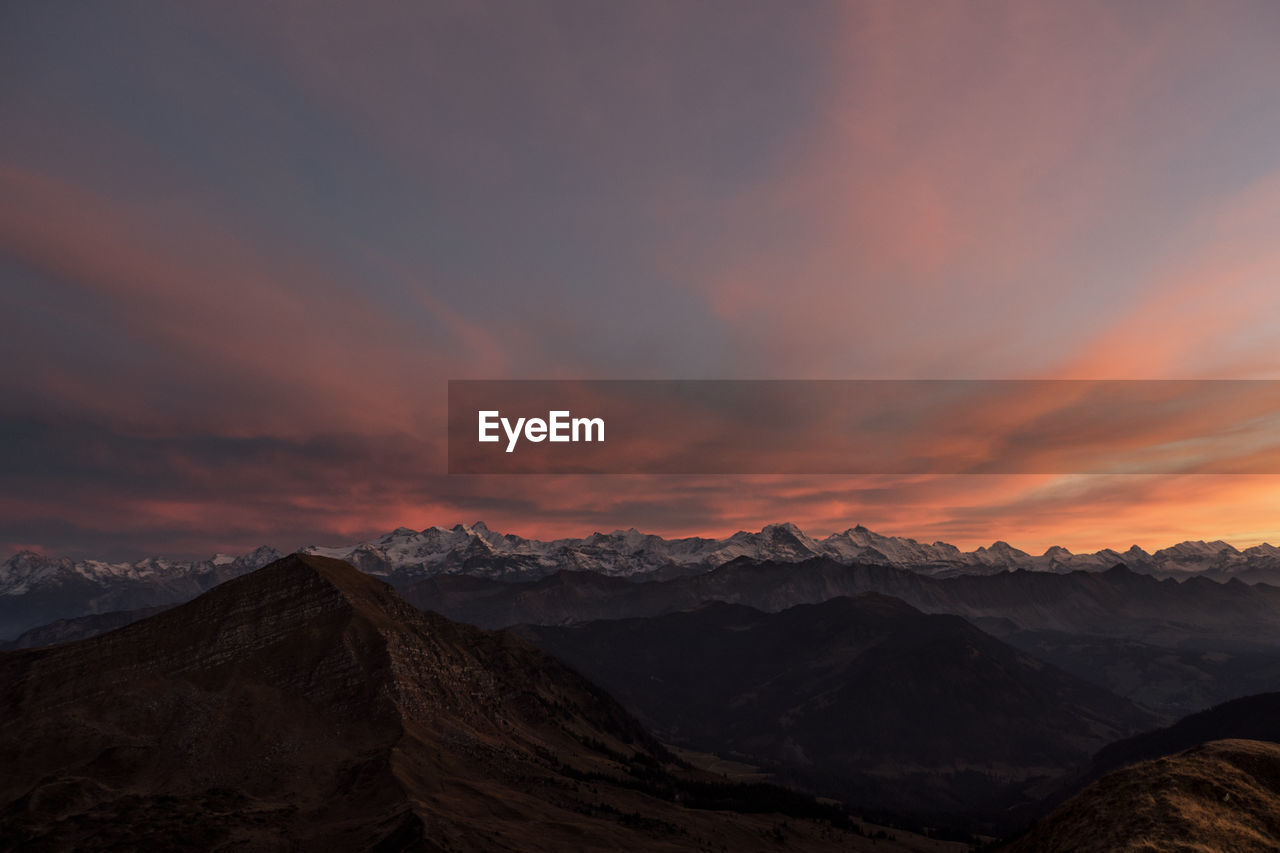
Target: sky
(243, 247)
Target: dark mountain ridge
(864, 698)
(1246, 718)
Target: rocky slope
(1223, 795)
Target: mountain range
(305, 706)
(36, 589)
(477, 550)
(1173, 646)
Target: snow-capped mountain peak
(405, 554)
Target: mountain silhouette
(306, 706)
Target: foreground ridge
(1223, 795)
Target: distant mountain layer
(1114, 603)
(79, 628)
(36, 590)
(866, 699)
(1223, 795)
(305, 706)
(1175, 679)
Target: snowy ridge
(476, 550)
(406, 553)
(35, 590)
(27, 570)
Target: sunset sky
(243, 246)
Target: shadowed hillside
(864, 698)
